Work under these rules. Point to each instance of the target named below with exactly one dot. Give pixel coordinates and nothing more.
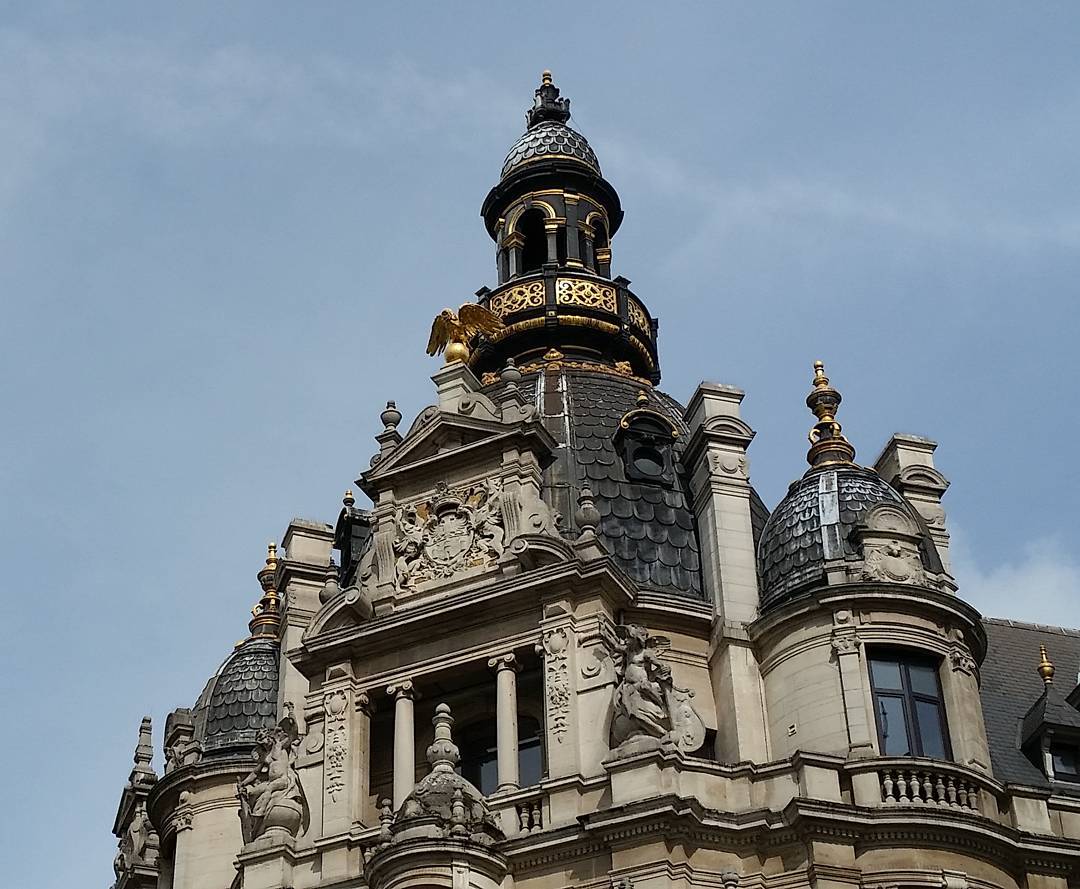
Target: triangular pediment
(447, 436)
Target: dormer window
(645, 442)
(1065, 759)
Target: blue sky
(226, 228)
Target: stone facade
(567, 645)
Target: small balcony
(920, 782)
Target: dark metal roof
(795, 544)
(241, 700)
(1010, 687)
(553, 139)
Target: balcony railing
(906, 781)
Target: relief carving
(650, 709)
(894, 562)
(336, 743)
(557, 680)
(455, 530)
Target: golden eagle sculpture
(452, 330)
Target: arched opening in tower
(534, 250)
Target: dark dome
(240, 701)
(796, 543)
(550, 139)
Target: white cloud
(1040, 584)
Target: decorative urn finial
(1046, 667)
(827, 441)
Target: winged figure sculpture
(451, 331)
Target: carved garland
(558, 681)
(337, 742)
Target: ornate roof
(551, 139)
(797, 541)
(240, 701)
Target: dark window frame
(908, 697)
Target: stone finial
(510, 373)
(391, 416)
(1046, 667)
(587, 516)
(827, 442)
(443, 754)
(266, 615)
(330, 587)
(144, 750)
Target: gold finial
(546, 77)
(266, 614)
(1045, 668)
(348, 499)
(827, 442)
(642, 398)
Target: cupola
(552, 216)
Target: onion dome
(240, 701)
(814, 522)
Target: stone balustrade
(910, 781)
(520, 813)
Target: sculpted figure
(271, 796)
(649, 708)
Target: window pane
(1065, 761)
(892, 727)
(923, 679)
(489, 776)
(530, 763)
(931, 731)
(886, 674)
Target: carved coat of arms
(455, 530)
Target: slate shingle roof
(649, 529)
(1010, 686)
(549, 139)
(792, 549)
(241, 700)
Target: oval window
(648, 461)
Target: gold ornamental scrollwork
(637, 315)
(577, 292)
(518, 299)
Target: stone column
(845, 643)
(551, 229)
(506, 720)
(403, 694)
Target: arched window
(560, 245)
(480, 759)
(534, 250)
(583, 248)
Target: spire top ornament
(266, 615)
(1046, 667)
(827, 442)
(547, 105)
